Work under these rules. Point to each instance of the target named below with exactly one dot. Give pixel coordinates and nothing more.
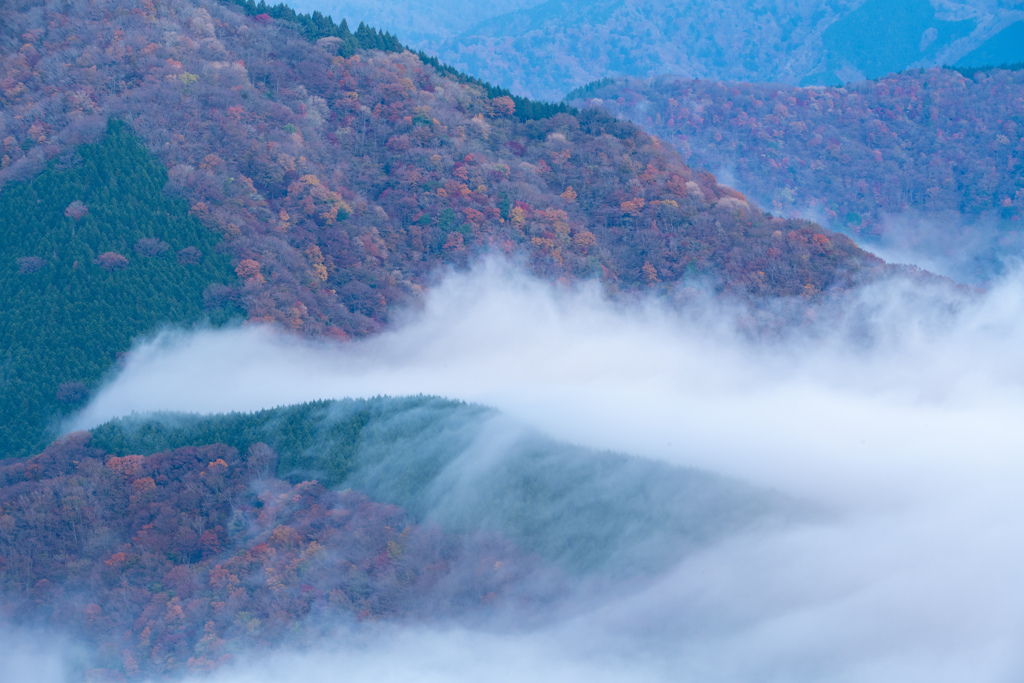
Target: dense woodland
(163, 557)
(338, 187)
(341, 183)
(92, 254)
(935, 142)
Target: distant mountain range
(544, 49)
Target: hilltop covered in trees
(174, 543)
(337, 186)
(315, 26)
(177, 561)
(341, 183)
(941, 149)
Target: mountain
(173, 542)
(927, 162)
(201, 163)
(334, 187)
(544, 49)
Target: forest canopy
(93, 254)
(935, 148)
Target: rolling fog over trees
(322, 357)
(905, 448)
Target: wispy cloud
(900, 411)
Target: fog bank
(905, 376)
(900, 411)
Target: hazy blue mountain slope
(545, 49)
(1006, 47)
(563, 43)
(882, 37)
(468, 469)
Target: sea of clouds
(900, 411)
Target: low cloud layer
(976, 251)
(900, 412)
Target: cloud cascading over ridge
(900, 413)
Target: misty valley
(531, 341)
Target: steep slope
(339, 186)
(342, 183)
(1005, 47)
(544, 49)
(201, 548)
(882, 37)
(929, 160)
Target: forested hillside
(173, 543)
(422, 453)
(337, 186)
(177, 561)
(92, 254)
(340, 184)
(928, 158)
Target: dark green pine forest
(77, 291)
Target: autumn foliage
(173, 562)
(386, 165)
(932, 142)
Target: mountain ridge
(339, 186)
(544, 49)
